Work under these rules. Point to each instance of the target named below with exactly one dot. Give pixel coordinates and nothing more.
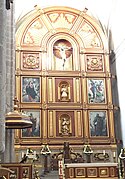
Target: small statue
(64, 91)
(65, 126)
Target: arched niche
(72, 46)
(64, 91)
(65, 125)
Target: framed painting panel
(96, 91)
(98, 123)
(80, 172)
(25, 172)
(35, 130)
(16, 172)
(30, 89)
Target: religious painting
(62, 54)
(96, 91)
(34, 131)
(98, 123)
(30, 89)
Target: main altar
(64, 83)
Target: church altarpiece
(63, 81)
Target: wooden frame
(98, 123)
(16, 172)
(19, 170)
(80, 172)
(103, 172)
(96, 91)
(30, 89)
(92, 172)
(25, 172)
(35, 130)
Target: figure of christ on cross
(62, 50)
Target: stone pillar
(2, 75)
(7, 83)
(10, 85)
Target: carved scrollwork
(31, 61)
(101, 156)
(94, 63)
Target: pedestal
(46, 164)
(88, 158)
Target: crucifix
(62, 50)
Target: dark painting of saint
(34, 131)
(98, 123)
(30, 89)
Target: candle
(22, 154)
(114, 154)
(103, 152)
(35, 153)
